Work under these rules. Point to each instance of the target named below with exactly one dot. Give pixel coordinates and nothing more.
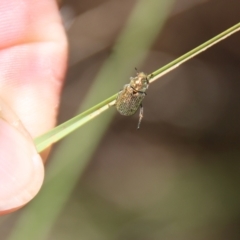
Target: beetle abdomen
(128, 101)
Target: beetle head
(140, 82)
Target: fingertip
(21, 168)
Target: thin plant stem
(69, 126)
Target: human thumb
(21, 168)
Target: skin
(33, 54)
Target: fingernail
(21, 168)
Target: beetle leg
(140, 116)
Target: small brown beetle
(130, 98)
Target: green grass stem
(71, 125)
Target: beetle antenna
(149, 76)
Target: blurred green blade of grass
(72, 156)
(64, 129)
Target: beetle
(130, 98)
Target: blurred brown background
(177, 178)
